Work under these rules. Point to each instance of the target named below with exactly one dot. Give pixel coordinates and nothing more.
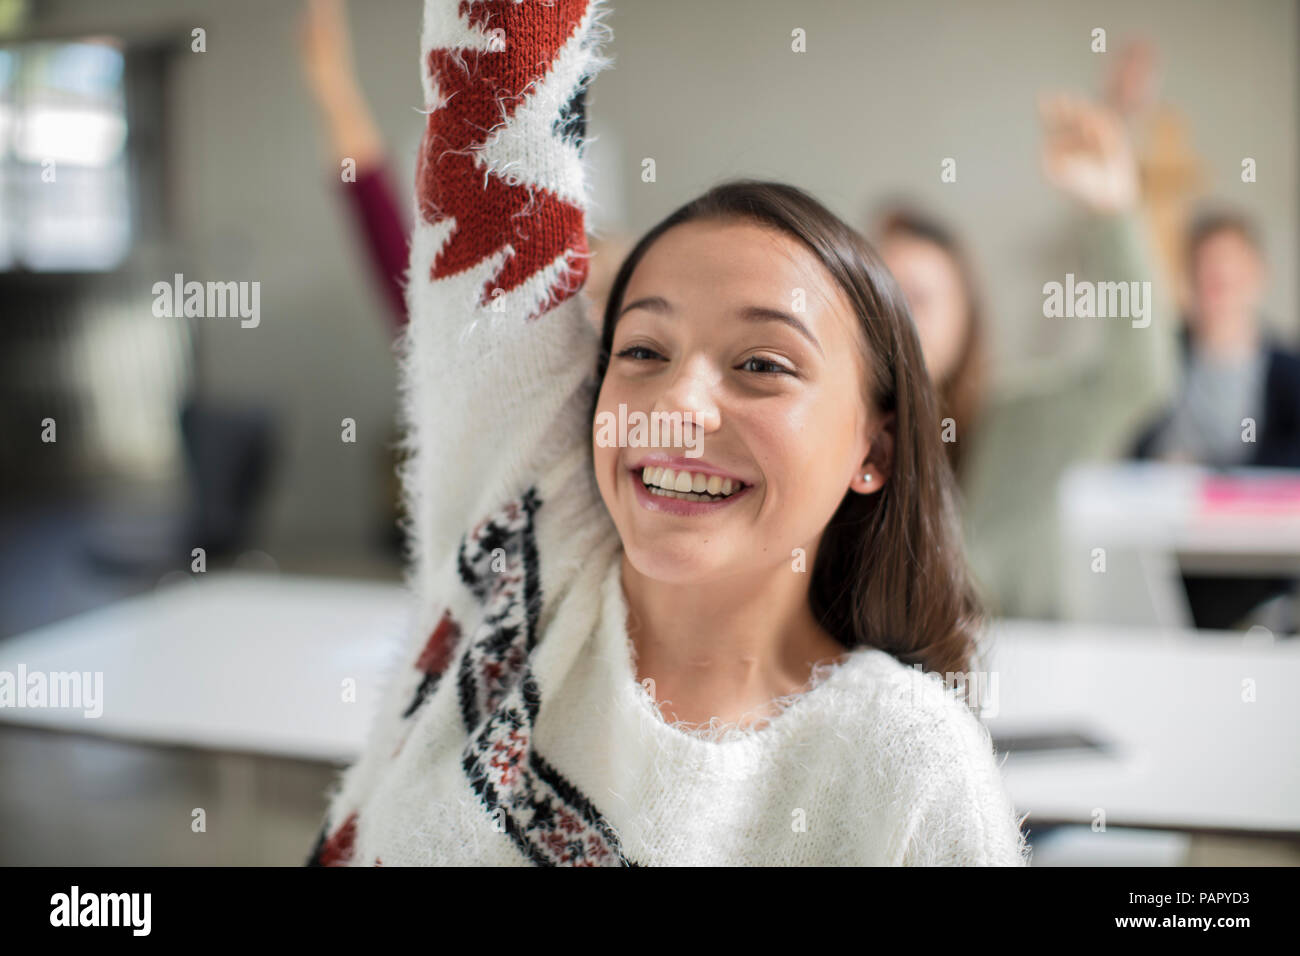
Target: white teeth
(691, 486)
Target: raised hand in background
(1087, 153)
(325, 49)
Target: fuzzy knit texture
(513, 730)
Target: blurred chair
(229, 454)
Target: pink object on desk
(1221, 494)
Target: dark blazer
(1277, 436)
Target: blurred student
(326, 52)
(1171, 173)
(1236, 372)
(1239, 403)
(1010, 444)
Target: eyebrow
(750, 313)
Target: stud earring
(867, 477)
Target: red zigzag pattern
(481, 89)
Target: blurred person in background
(330, 73)
(1170, 173)
(325, 52)
(1234, 368)
(1239, 403)
(1010, 444)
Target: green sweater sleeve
(1068, 409)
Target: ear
(878, 465)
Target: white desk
(1189, 753)
(255, 664)
(236, 662)
(1155, 520)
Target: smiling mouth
(687, 485)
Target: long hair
(890, 572)
(962, 393)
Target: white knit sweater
(513, 730)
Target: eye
(630, 352)
(766, 367)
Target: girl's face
(739, 329)
(932, 285)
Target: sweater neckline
(791, 709)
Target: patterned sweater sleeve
(498, 352)
(498, 357)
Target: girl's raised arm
(498, 361)
(498, 349)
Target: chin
(670, 562)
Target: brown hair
(890, 571)
(961, 395)
(1210, 223)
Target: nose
(691, 392)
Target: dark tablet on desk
(1065, 741)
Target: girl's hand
(1086, 153)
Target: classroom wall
(886, 89)
(255, 197)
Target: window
(65, 202)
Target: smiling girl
(625, 655)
